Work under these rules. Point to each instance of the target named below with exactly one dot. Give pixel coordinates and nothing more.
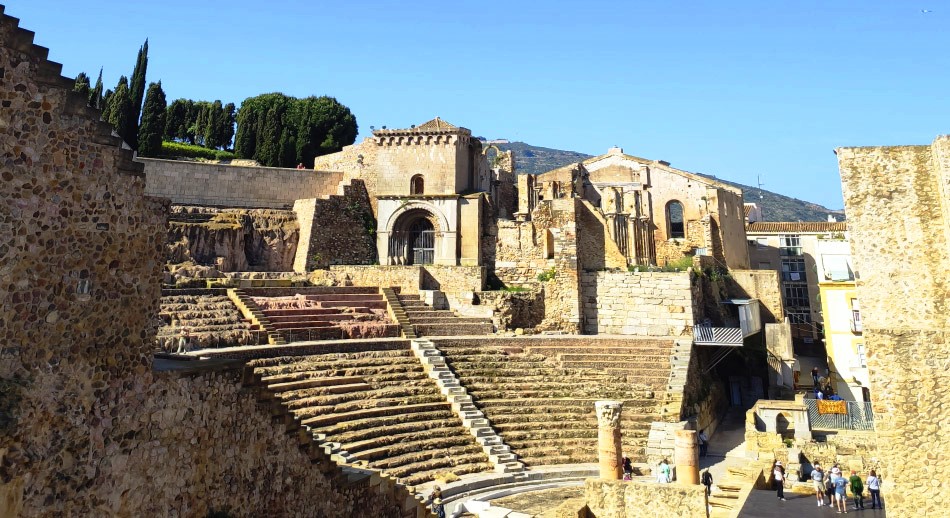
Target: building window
(793, 269)
(790, 245)
(676, 229)
(862, 357)
(417, 185)
(796, 295)
(761, 243)
(798, 317)
(856, 326)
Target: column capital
(608, 413)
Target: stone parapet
(637, 303)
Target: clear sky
(736, 89)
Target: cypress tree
(153, 121)
(227, 125)
(137, 91)
(119, 111)
(82, 84)
(95, 95)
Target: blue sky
(736, 89)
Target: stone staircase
(332, 313)
(542, 408)
(427, 321)
(729, 495)
(253, 313)
(398, 313)
(377, 409)
(498, 452)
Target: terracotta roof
(796, 227)
(748, 209)
(436, 124)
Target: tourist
(874, 487)
(183, 341)
(818, 480)
(819, 394)
(778, 473)
(663, 473)
(703, 442)
(707, 480)
(300, 166)
(857, 490)
(435, 500)
(627, 469)
(815, 378)
(830, 488)
(841, 495)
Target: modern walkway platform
(764, 504)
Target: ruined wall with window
(898, 204)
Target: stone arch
(417, 185)
(675, 220)
(439, 221)
(414, 235)
(785, 424)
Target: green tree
(95, 95)
(119, 111)
(82, 84)
(153, 121)
(137, 92)
(281, 131)
(176, 120)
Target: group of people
(835, 486)
(823, 388)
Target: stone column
(686, 453)
(609, 449)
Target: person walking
(707, 480)
(627, 469)
(435, 500)
(874, 487)
(815, 377)
(818, 480)
(663, 475)
(703, 442)
(183, 341)
(778, 473)
(841, 495)
(857, 490)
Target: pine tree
(153, 121)
(137, 92)
(82, 84)
(119, 111)
(95, 95)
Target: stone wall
(513, 310)
(410, 279)
(336, 230)
(641, 303)
(232, 240)
(88, 428)
(898, 205)
(197, 183)
(629, 499)
(759, 284)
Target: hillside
(775, 207)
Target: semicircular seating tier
(210, 317)
(380, 407)
(539, 393)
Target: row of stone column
(610, 449)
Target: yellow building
(841, 314)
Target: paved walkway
(764, 504)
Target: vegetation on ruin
(282, 131)
(547, 275)
(179, 149)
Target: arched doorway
(413, 238)
(421, 242)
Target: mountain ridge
(531, 159)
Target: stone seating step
(295, 395)
(323, 317)
(292, 312)
(618, 366)
(639, 360)
(547, 422)
(529, 404)
(513, 437)
(592, 391)
(334, 362)
(345, 297)
(420, 425)
(404, 441)
(369, 304)
(459, 469)
(388, 454)
(453, 329)
(336, 403)
(366, 413)
(452, 319)
(373, 426)
(432, 460)
(551, 350)
(301, 325)
(284, 382)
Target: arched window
(417, 185)
(675, 225)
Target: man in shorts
(818, 480)
(841, 493)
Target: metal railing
(859, 416)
